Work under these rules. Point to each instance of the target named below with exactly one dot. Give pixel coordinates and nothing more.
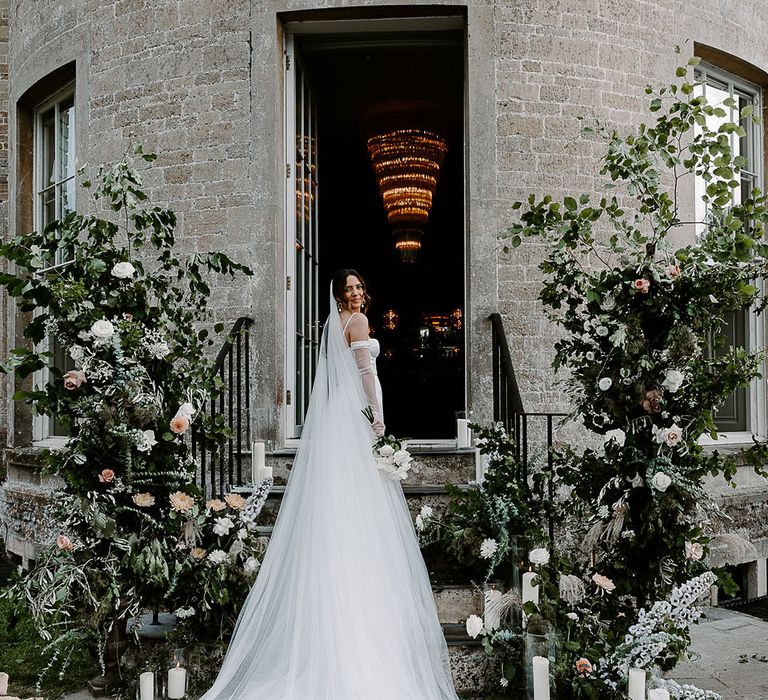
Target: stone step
(432, 464)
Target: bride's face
(354, 294)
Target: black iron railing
(529, 430)
(220, 467)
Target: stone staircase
(434, 466)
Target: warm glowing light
(408, 244)
(390, 318)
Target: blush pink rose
(107, 476)
(642, 285)
(673, 270)
(63, 542)
(179, 424)
(73, 379)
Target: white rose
(217, 556)
(590, 356)
(77, 352)
(401, 458)
(602, 331)
(401, 473)
(694, 551)
(223, 526)
(251, 565)
(426, 512)
(605, 383)
(661, 481)
(572, 616)
(474, 626)
(618, 434)
(386, 450)
(420, 523)
(147, 441)
(123, 270)
(619, 337)
(242, 533)
(488, 548)
(609, 303)
(538, 556)
(186, 410)
(102, 330)
(672, 380)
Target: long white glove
(362, 353)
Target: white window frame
(41, 425)
(755, 328)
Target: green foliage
(131, 315)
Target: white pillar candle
(636, 684)
(540, 678)
(492, 608)
(147, 686)
(462, 433)
(265, 473)
(258, 460)
(3, 683)
(658, 694)
(530, 591)
(177, 683)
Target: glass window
(717, 86)
(54, 162)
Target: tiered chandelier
(407, 163)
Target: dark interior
(421, 365)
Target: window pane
(66, 155)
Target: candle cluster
(259, 469)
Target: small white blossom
(661, 481)
(609, 303)
(572, 616)
(223, 526)
(217, 556)
(605, 383)
(602, 331)
(503, 682)
(183, 613)
(77, 352)
(386, 450)
(146, 441)
(251, 565)
(488, 548)
(426, 512)
(673, 378)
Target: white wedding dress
(342, 607)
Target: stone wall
(200, 82)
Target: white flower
(426, 512)
(602, 331)
(590, 356)
(251, 565)
(123, 270)
(186, 410)
(488, 548)
(183, 613)
(609, 303)
(474, 626)
(572, 616)
(102, 330)
(538, 556)
(605, 383)
(713, 299)
(672, 380)
(670, 436)
(77, 352)
(694, 551)
(146, 441)
(661, 481)
(242, 533)
(636, 481)
(401, 458)
(420, 523)
(618, 435)
(223, 526)
(386, 450)
(604, 582)
(159, 350)
(217, 556)
(503, 682)
(619, 337)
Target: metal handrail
(221, 468)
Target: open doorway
(355, 87)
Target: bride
(342, 608)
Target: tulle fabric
(342, 607)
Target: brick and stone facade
(201, 83)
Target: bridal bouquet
(391, 458)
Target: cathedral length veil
(342, 607)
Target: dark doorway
(422, 362)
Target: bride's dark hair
(340, 281)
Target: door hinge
(287, 62)
(288, 283)
(287, 169)
(288, 397)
